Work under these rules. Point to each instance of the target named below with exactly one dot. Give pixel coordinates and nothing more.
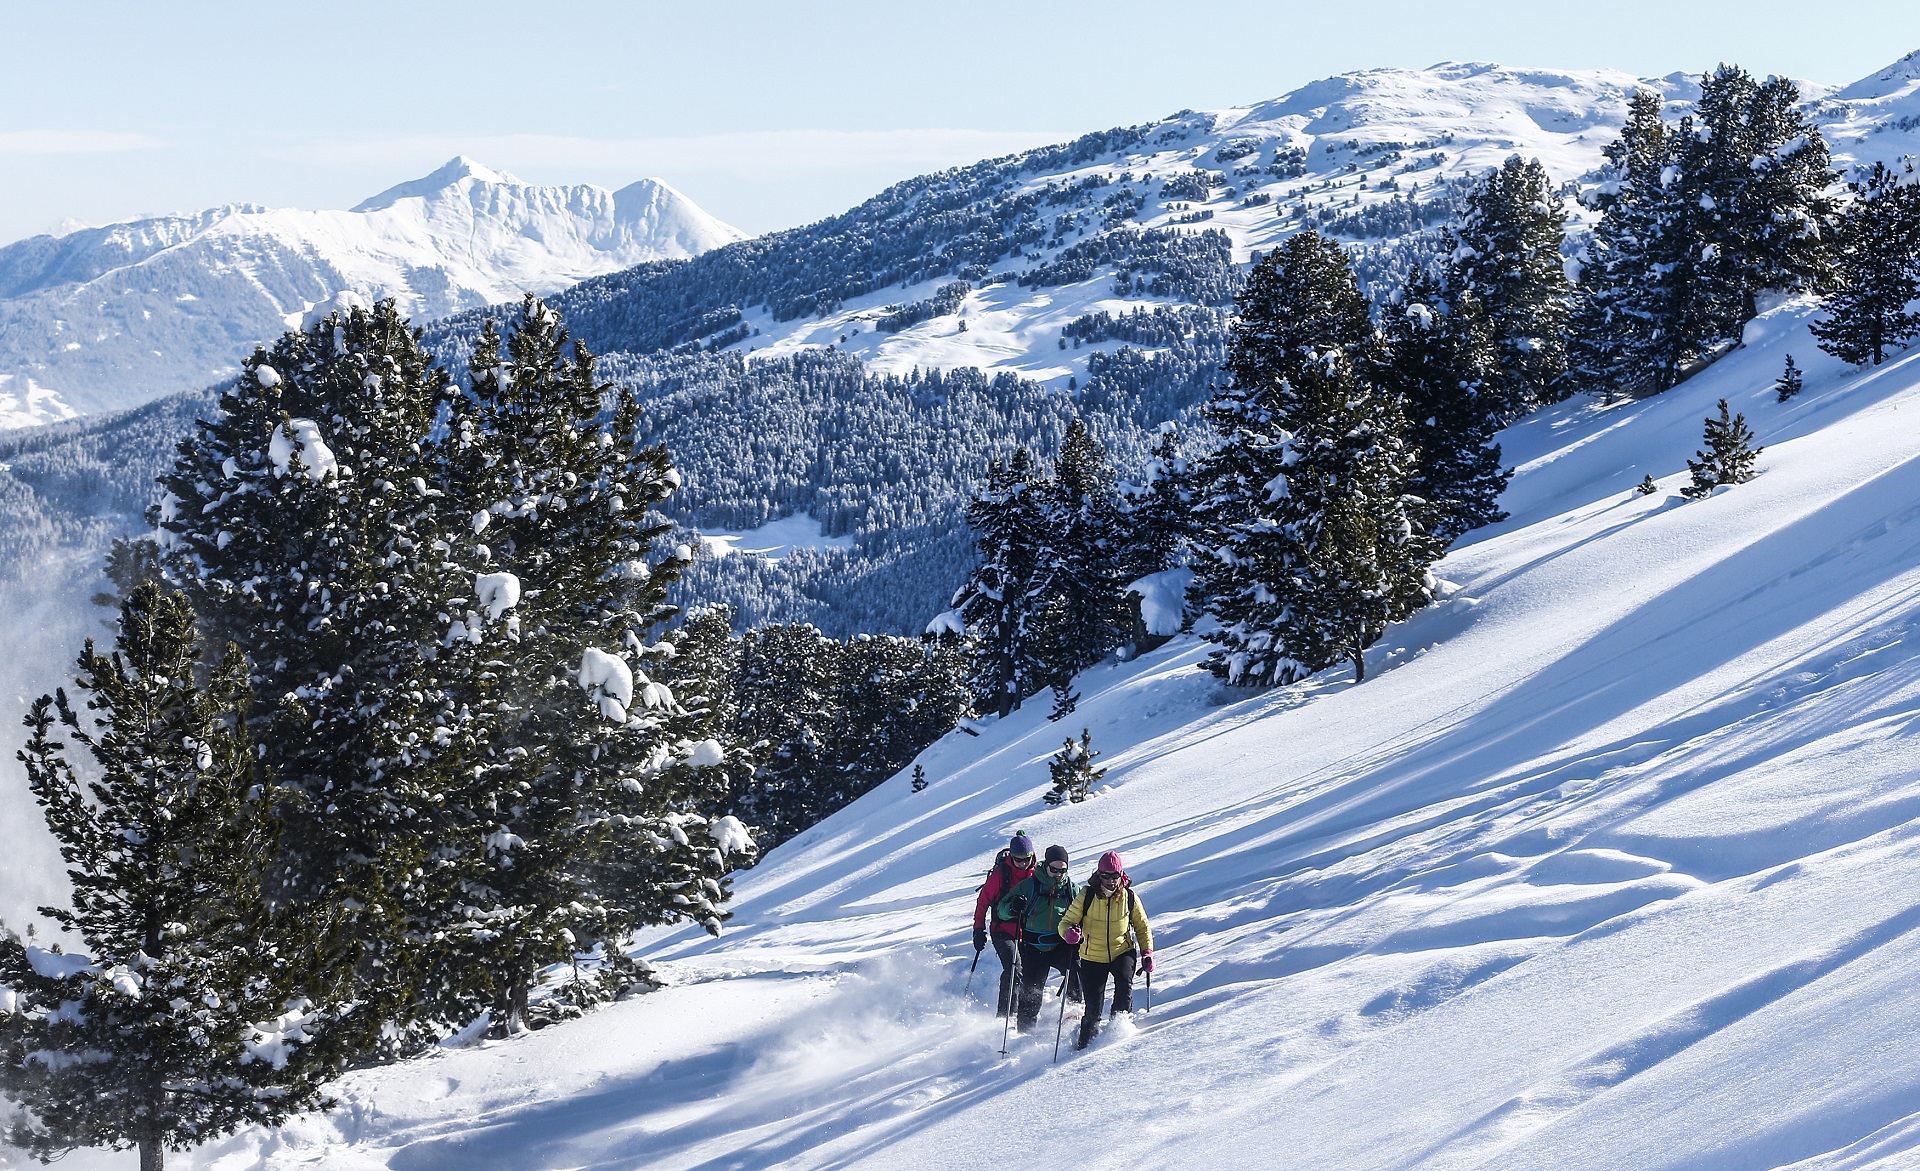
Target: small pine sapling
(1646, 486)
(1727, 458)
(1072, 770)
(1789, 381)
(1065, 700)
(919, 779)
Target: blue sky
(767, 114)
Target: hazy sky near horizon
(767, 114)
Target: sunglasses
(1106, 876)
(1056, 868)
(1022, 859)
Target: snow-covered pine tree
(1790, 382)
(1072, 772)
(1158, 515)
(1298, 302)
(787, 694)
(1081, 617)
(301, 523)
(1309, 549)
(1646, 486)
(194, 1010)
(1442, 362)
(1000, 602)
(1505, 252)
(1756, 169)
(1728, 204)
(1623, 306)
(894, 697)
(702, 669)
(587, 807)
(1876, 269)
(1727, 457)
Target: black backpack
(1002, 860)
(1086, 902)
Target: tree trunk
(510, 1011)
(1360, 666)
(153, 1156)
(522, 981)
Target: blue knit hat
(1021, 845)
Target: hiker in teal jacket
(1036, 904)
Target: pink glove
(1146, 962)
(1071, 935)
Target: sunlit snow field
(1612, 862)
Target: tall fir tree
(1442, 362)
(1702, 219)
(1002, 597)
(195, 1010)
(1876, 269)
(1157, 515)
(1309, 548)
(1622, 308)
(787, 692)
(1082, 572)
(1756, 170)
(587, 804)
(1505, 253)
(301, 523)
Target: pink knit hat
(1110, 864)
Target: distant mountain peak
(157, 295)
(457, 168)
(1889, 81)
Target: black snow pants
(1003, 947)
(1093, 983)
(1037, 966)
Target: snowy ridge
(1609, 864)
(1366, 138)
(107, 318)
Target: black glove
(979, 939)
(1019, 908)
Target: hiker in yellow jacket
(1110, 925)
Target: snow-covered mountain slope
(107, 318)
(1364, 142)
(1610, 863)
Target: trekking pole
(1149, 1008)
(1013, 994)
(1061, 1027)
(968, 990)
